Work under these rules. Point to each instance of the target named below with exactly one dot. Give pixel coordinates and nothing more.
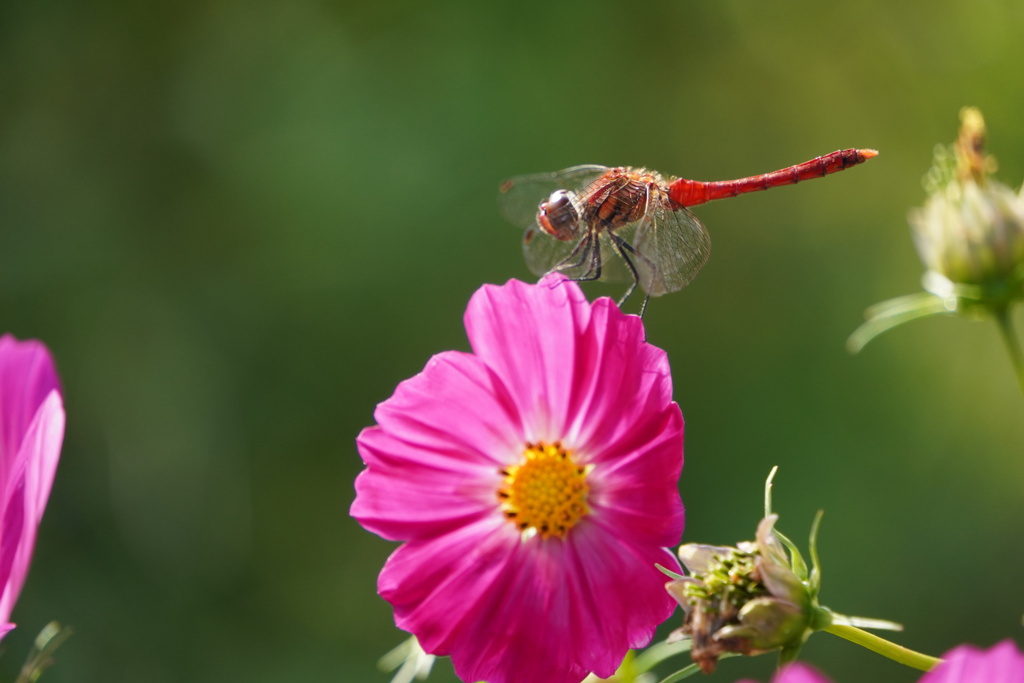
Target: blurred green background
(239, 224)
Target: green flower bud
(970, 236)
(971, 228)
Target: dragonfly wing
(544, 253)
(672, 245)
(613, 268)
(519, 197)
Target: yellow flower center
(546, 493)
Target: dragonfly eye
(558, 216)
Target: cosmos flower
(534, 483)
(31, 431)
(1003, 663)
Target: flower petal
(604, 565)
(528, 335)
(535, 610)
(1003, 663)
(27, 376)
(12, 528)
(797, 672)
(26, 496)
(459, 406)
(434, 460)
(613, 361)
(420, 501)
(637, 495)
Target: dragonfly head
(558, 216)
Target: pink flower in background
(535, 484)
(1003, 663)
(31, 431)
(797, 672)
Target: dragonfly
(623, 223)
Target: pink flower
(1003, 663)
(797, 672)
(31, 431)
(534, 482)
(963, 664)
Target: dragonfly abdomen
(692, 192)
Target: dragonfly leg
(580, 250)
(588, 251)
(622, 247)
(594, 269)
(643, 306)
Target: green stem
(656, 654)
(1012, 342)
(895, 652)
(40, 658)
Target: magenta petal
(27, 376)
(41, 451)
(27, 499)
(417, 502)
(613, 361)
(797, 672)
(434, 460)
(604, 565)
(31, 432)
(1003, 663)
(528, 334)
(621, 483)
(12, 528)
(507, 610)
(458, 407)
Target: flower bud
(746, 600)
(970, 236)
(971, 228)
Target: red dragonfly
(620, 224)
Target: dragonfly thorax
(621, 197)
(559, 215)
